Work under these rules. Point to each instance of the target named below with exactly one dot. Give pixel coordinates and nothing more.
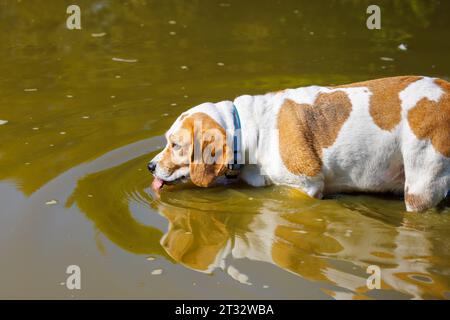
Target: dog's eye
(175, 146)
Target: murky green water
(86, 109)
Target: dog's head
(196, 150)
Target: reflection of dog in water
(305, 244)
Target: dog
(383, 135)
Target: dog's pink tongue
(157, 184)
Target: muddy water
(86, 109)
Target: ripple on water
(421, 278)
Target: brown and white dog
(385, 135)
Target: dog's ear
(209, 152)
(203, 175)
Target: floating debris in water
(301, 231)
(35, 128)
(250, 198)
(85, 117)
(173, 104)
(117, 76)
(98, 35)
(51, 202)
(184, 67)
(265, 286)
(30, 89)
(172, 33)
(172, 22)
(113, 97)
(27, 163)
(62, 133)
(194, 284)
(124, 60)
(157, 272)
(224, 4)
(90, 196)
(151, 259)
(311, 33)
(165, 114)
(348, 233)
(403, 47)
(220, 64)
(185, 96)
(69, 96)
(2, 122)
(387, 59)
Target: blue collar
(235, 166)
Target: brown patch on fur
(385, 104)
(304, 130)
(202, 173)
(431, 120)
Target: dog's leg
(315, 189)
(427, 179)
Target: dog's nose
(152, 166)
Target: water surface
(86, 109)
